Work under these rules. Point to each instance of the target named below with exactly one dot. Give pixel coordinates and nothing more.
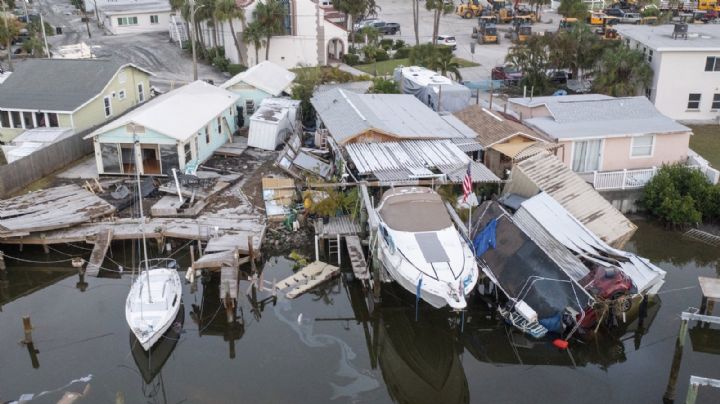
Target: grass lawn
(706, 142)
(386, 67)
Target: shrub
(221, 63)
(383, 86)
(381, 55)
(354, 50)
(402, 53)
(399, 44)
(234, 69)
(386, 44)
(351, 59)
(679, 195)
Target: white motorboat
(154, 298)
(422, 250)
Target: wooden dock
(307, 278)
(357, 257)
(337, 226)
(703, 237)
(710, 288)
(102, 243)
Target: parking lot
(487, 56)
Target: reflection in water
(209, 317)
(420, 361)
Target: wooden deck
(233, 149)
(710, 287)
(307, 278)
(50, 209)
(337, 226)
(102, 243)
(357, 257)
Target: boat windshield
(415, 212)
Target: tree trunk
(267, 47)
(352, 29)
(436, 25)
(235, 39)
(87, 25)
(202, 38)
(216, 34)
(416, 20)
(257, 52)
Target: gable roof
(492, 127)
(347, 114)
(62, 85)
(573, 118)
(178, 114)
(549, 174)
(266, 76)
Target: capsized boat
(422, 250)
(153, 302)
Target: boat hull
(149, 317)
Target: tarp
(485, 239)
(452, 98)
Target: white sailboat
(422, 250)
(154, 298)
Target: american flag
(467, 182)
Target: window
(53, 119)
(642, 146)
(694, 101)
(28, 119)
(107, 105)
(219, 126)
(586, 155)
(169, 158)
(207, 136)
(188, 153)
(250, 107)
(650, 55)
(127, 21)
(4, 119)
(16, 122)
(110, 158)
(40, 120)
(141, 92)
(121, 95)
(154, 19)
(287, 20)
(716, 102)
(712, 64)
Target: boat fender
(560, 343)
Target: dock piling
(2, 261)
(27, 329)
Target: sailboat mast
(142, 216)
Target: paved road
(487, 56)
(152, 51)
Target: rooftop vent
(681, 30)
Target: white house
(91, 4)
(310, 38)
(136, 18)
(686, 80)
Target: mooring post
(27, 328)
(692, 393)
(677, 359)
(2, 261)
(251, 254)
(339, 251)
(46, 248)
(317, 249)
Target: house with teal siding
(180, 129)
(265, 79)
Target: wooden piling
(33, 355)
(677, 360)
(27, 328)
(2, 261)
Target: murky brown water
(328, 346)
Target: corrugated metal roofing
(492, 127)
(479, 173)
(346, 114)
(57, 84)
(577, 197)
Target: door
(150, 160)
(586, 155)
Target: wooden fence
(45, 161)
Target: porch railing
(633, 179)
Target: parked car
(385, 28)
(630, 18)
(447, 40)
(559, 77)
(507, 73)
(614, 12)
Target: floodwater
(330, 347)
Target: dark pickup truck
(385, 28)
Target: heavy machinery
(472, 8)
(567, 24)
(521, 31)
(598, 18)
(708, 5)
(487, 33)
(610, 34)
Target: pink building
(599, 133)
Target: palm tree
(270, 15)
(253, 34)
(622, 72)
(446, 64)
(439, 8)
(227, 10)
(531, 58)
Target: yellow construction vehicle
(470, 9)
(521, 31)
(567, 24)
(709, 5)
(487, 33)
(504, 16)
(598, 18)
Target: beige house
(77, 94)
(601, 133)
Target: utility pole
(42, 29)
(9, 40)
(193, 9)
